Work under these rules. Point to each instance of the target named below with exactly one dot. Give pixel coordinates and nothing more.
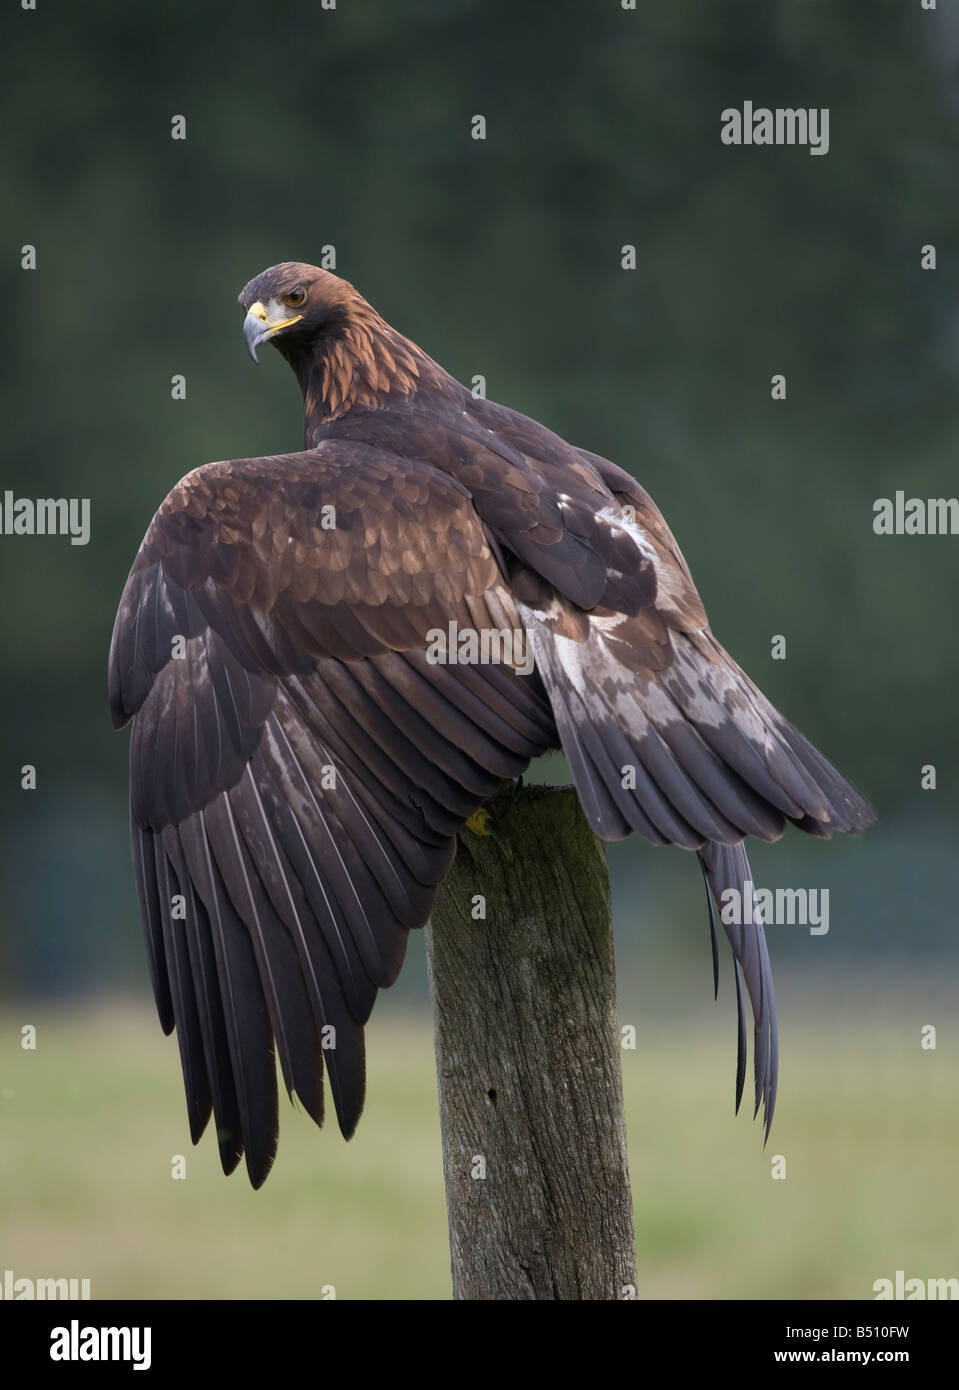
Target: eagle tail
(726, 870)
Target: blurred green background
(351, 128)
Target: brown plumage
(299, 764)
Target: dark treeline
(351, 128)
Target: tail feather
(726, 868)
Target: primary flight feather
(301, 763)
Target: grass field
(90, 1121)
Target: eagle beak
(261, 324)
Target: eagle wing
(298, 767)
(666, 735)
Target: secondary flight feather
(300, 764)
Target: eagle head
(291, 301)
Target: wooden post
(528, 1059)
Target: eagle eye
(295, 298)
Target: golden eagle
(301, 761)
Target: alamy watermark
(46, 516)
(780, 907)
(486, 646)
(76, 1343)
(913, 1289)
(915, 516)
(780, 125)
(14, 1287)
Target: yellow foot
(481, 822)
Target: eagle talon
(481, 823)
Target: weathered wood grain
(528, 1060)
